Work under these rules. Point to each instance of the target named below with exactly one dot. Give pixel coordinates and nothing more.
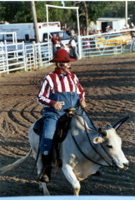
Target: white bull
(83, 152)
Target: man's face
(64, 65)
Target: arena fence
(21, 56)
(18, 56)
(105, 44)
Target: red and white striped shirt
(56, 82)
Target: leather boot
(45, 174)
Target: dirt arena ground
(110, 92)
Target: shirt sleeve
(44, 93)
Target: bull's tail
(15, 164)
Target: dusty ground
(110, 91)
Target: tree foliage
(90, 11)
(15, 11)
(20, 11)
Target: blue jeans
(51, 117)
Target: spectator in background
(68, 31)
(87, 43)
(56, 42)
(107, 28)
(72, 32)
(54, 38)
(73, 47)
(110, 29)
(87, 46)
(132, 47)
(132, 25)
(81, 32)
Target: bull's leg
(34, 143)
(44, 187)
(70, 176)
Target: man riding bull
(59, 92)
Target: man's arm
(44, 93)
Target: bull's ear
(120, 122)
(98, 140)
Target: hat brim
(70, 59)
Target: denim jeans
(51, 116)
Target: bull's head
(112, 144)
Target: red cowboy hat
(61, 55)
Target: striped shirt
(56, 82)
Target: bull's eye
(109, 146)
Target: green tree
(58, 14)
(131, 13)
(20, 11)
(16, 11)
(41, 11)
(115, 9)
(90, 11)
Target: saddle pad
(38, 126)
(61, 131)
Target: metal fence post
(34, 53)
(6, 57)
(79, 46)
(24, 56)
(39, 54)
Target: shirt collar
(57, 71)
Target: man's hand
(57, 105)
(83, 103)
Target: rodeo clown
(60, 90)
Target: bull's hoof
(44, 178)
(45, 175)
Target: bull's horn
(102, 132)
(120, 122)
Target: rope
(85, 154)
(90, 141)
(93, 149)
